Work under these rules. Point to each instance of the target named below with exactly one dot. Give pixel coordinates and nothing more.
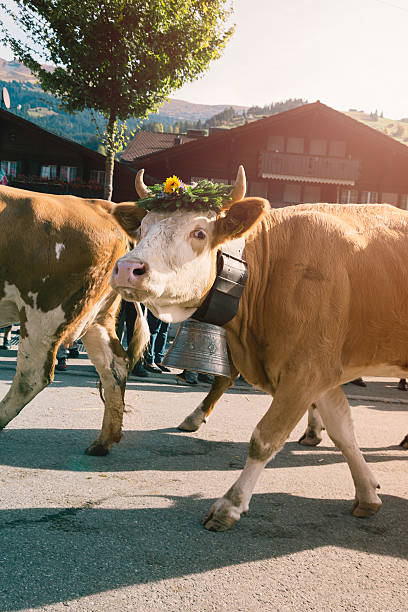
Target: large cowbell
(200, 347)
(200, 343)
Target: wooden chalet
(312, 153)
(38, 160)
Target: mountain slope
(175, 110)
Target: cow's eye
(199, 234)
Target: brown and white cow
(326, 301)
(57, 255)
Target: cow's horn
(141, 189)
(239, 189)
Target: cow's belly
(8, 313)
(381, 370)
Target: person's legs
(402, 385)
(130, 318)
(160, 343)
(187, 376)
(6, 337)
(359, 382)
(62, 354)
(73, 350)
(154, 325)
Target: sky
(345, 53)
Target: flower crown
(173, 194)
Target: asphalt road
(122, 532)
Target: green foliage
(204, 196)
(276, 107)
(117, 55)
(121, 58)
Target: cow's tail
(140, 338)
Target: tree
(119, 57)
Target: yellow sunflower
(171, 184)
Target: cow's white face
(172, 265)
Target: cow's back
(56, 247)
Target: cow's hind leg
(34, 371)
(267, 439)
(111, 363)
(201, 413)
(313, 433)
(335, 411)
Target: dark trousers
(127, 315)
(158, 339)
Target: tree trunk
(110, 157)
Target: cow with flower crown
(325, 302)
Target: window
(49, 172)
(295, 145)
(369, 197)
(68, 173)
(337, 148)
(9, 168)
(404, 201)
(348, 196)
(98, 176)
(276, 144)
(258, 189)
(318, 147)
(389, 198)
(292, 193)
(311, 194)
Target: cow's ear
(129, 217)
(240, 219)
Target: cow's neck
(222, 302)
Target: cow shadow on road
(62, 554)
(158, 450)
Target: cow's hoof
(221, 517)
(97, 449)
(310, 438)
(404, 443)
(188, 425)
(365, 509)
(193, 421)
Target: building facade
(33, 158)
(308, 154)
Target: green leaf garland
(203, 196)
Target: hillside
(14, 71)
(13, 74)
(42, 109)
(398, 129)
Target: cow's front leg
(111, 363)
(201, 413)
(313, 433)
(267, 439)
(335, 411)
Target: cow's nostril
(139, 271)
(116, 269)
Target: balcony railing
(308, 168)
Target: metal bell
(200, 347)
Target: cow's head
(173, 264)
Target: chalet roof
(145, 143)
(263, 124)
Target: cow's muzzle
(128, 274)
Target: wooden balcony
(308, 168)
